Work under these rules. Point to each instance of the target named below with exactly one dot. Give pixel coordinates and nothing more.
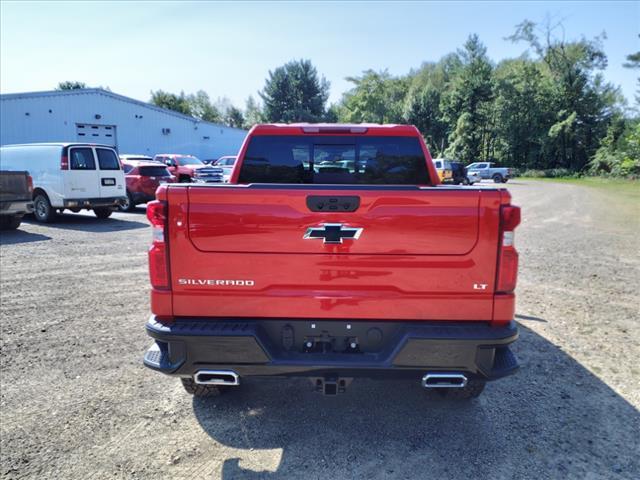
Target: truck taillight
(30, 183)
(64, 162)
(158, 252)
(508, 256)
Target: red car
(143, 177)
(187, 168)
(333, 253)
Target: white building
(95, 115)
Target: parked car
(71, 176)
(292, 272)
(488, 170)
(473, 177)
(226, 163)
(458, 173)
(16, 198)
(443, 167)
(143, 177)
(133, 157)
(187, 168)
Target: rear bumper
(93, 202)
(308, 348)
(16, 207)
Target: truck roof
(387, 130)
(58, 144)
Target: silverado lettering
(367, 267)
(196, 281)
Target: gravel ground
(76, 401)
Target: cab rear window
(154, 171)
(334, 160)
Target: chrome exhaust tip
(444, 380)
(216, 377)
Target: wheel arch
(39, 190)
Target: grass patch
(621, 187)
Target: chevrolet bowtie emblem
(332, 233)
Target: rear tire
(473, 389)
(497, 178)
(102, 213)
(184, 179)
(42, 209)
(128, 205)
(197, 390)
(10, 222)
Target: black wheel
(10, 222)
(197, 390)
(184, 179)
(42, 209)
(473, 389)
(102, 212)
(497, 178)
(128, 204)
(466, 181)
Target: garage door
(104, 134)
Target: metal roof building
(94, 115)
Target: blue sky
(227, 49)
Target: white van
(71, 176)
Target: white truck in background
(73, 176)
(488, 171)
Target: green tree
(422, 109)
(252, 113)
(376, 97)
(425, 101)
(332, 115)
(233, 117)
(523, 113)
(200, 106)
(295, 92)
(583, 101)
(468, 105)
(619, 153)
(633, 61)
(171, 101)
(71, 85)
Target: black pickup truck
(16, 198)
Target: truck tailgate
(14, 187)
(421, 253)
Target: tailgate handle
(329, 203)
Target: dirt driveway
(76, 401)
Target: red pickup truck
(333, 253)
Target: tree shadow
(86, 223)
(12, 237)
(553, 419)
